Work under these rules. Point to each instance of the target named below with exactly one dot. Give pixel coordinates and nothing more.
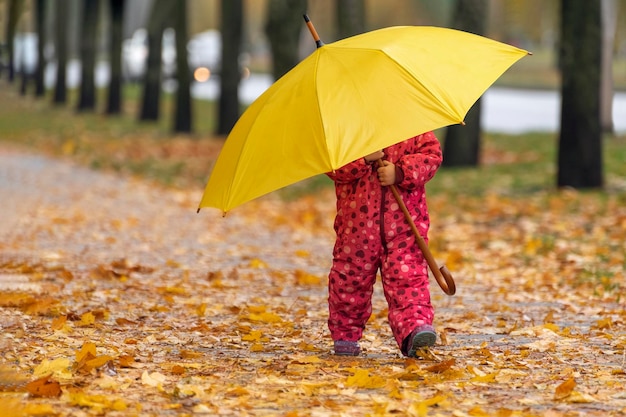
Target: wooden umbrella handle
(442, 275)
(316, 37)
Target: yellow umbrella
(351, 98)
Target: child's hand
(374, 156)
(387, 173)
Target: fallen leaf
(565, 389)
(442, 366)
(44, 387)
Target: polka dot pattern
(373, 235)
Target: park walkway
(230, 313)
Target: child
(373, 234)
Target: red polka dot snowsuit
(364, 245)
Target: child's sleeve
(351, 172)
(416, 169)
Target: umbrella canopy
(350, 98)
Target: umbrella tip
(198, 211)
(306, 18)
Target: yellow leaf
(265, 317)
(38, 410)
(362, 379)
(253, 336)
(307, 359)
(257, 264)
(604, 324)
(303, 253)
(565, 389)
(152, 379)
(551, 326)
(257, 347)
(59, 368)
(88, 348)
(237, 392)
(87, 319)
(307, 347)
(420, 408)
(98, 362)
(201, 309)
(304, 278)
(484, 378)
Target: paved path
(54, 209)
(201, 285)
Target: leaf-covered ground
(118, 299)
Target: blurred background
(209, 59)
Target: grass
(511, 164)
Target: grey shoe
(420, 337)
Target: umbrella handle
(316, 37)
(442, 275)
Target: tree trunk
(60, 87)
(284, 24)
(462, 143)
(14, 10)
(232, 20)
(87, 98)
(161, 11)
(609, 27)
(40, 25)
(114, 102)
(182, 117)
(580, 139)
(350, 18)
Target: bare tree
(232, 21)
(162, 11)
(284, 23)
(609, 27)
(60, 87)
(40, 19)
(462, 143)
(182, 116)
(87, 97)
(114, 102)
(14, 10)
(580, 138)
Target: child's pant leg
(350, 288)
(405, 283)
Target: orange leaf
(97, 362)
(88, 348)
(44, 387)
(565, 389)
(189, 354)
(126, 361)
(59, 322)
(441, 367)
(178, 370)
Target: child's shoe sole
(421, 339)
